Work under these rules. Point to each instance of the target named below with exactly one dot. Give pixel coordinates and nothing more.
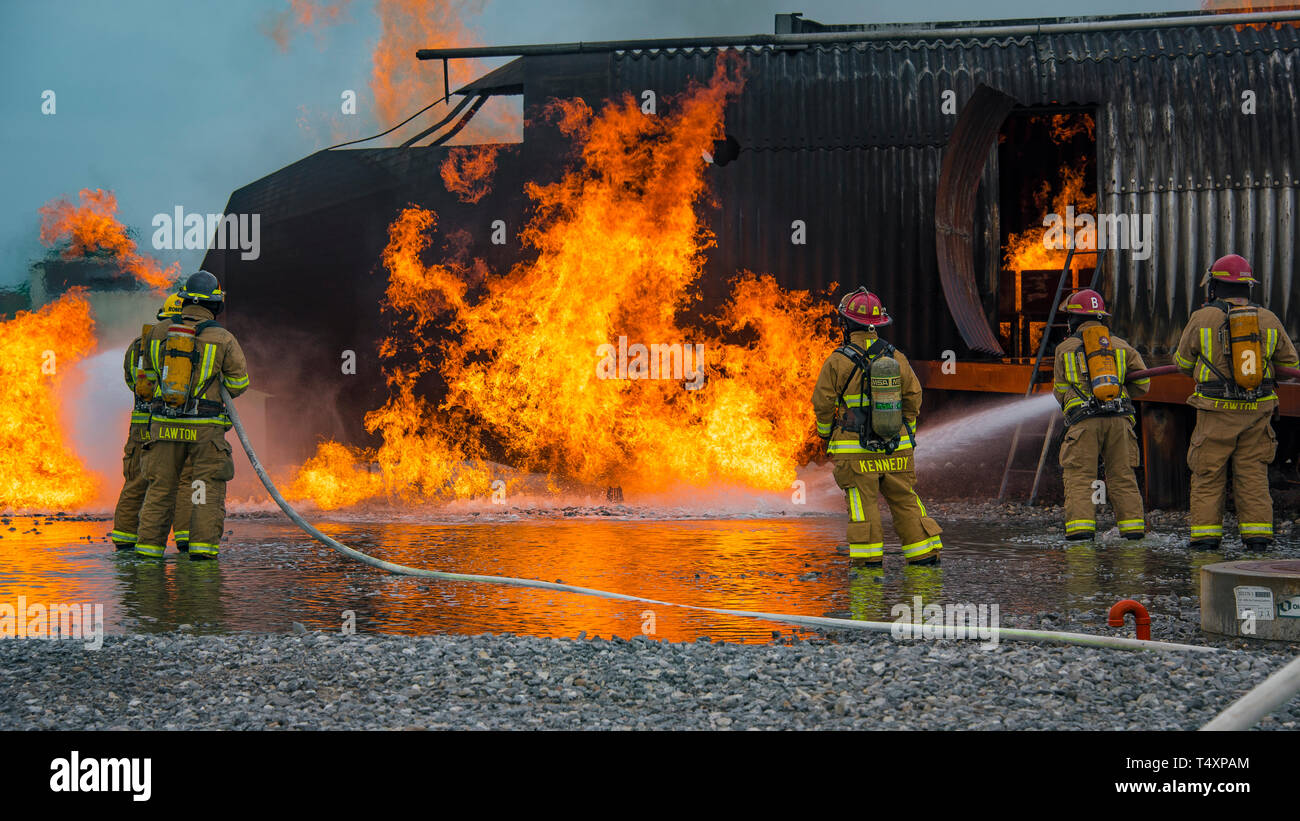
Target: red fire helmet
(1232, 268)
(1086, 302)
(864, 308)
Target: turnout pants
(1112, 440)
(1247, 441)
(866, 476)
(211, 465)
(126, 516)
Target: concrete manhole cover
(1252, 599)
(1283, 567)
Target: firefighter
(866, 401)
(1231, 347)
(1090, 380)
(126, 516)
(191, 358)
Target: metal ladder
(1009, 466)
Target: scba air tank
(886, 397)
(1103, 370)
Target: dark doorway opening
(1047, 161)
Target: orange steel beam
(1001, 377)
(993, 377)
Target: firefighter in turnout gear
(190, 359)
(866, 401)
(1090, 380)
(1231, 347)
(126, 516)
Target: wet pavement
(271, 575)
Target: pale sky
(180, 103)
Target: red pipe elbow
(1140, 617)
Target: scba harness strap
(1226, 387)
(1092, 406)
(193, 405)
(857, 419)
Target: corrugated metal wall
(849, 138)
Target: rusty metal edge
(954, 212)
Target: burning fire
(304, 14)
(619, 252)
(1025, 251)
(467, 172)
(1238, 7)
(335, 479)
(397, 79)
(38, 471)
(90, 226)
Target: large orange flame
(38, 471)
(619, 249)
(467, 172)
(397, 79)
(1027, 250)
(90, 226)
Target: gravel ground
(327, 681)
(849, 680)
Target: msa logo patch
(75, 774)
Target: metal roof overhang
(503, 81)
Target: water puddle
(271, 575)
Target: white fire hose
(1272, 693)
(907, 630)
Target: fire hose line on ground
(1272, 693)
(907, 630)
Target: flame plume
(467, 172)
(304, 14)
(618, 251)
(91, 226)
(1026, 251)
(38, 471)
(397, 79)
(399, 83)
